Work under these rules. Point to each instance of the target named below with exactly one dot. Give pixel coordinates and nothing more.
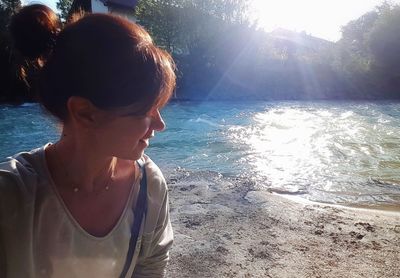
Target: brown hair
(34, 30)
(106, 59)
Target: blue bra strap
(139, 211)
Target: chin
(135, 155)
(130, 154)
(138, 156)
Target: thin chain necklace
(75, 186)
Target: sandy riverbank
(227, 227)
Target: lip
(145, 141)
(147, 138)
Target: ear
(82, 111)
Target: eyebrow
(133, 114)
(138, 114)
(129, 114)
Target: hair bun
(34, 30)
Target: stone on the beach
(219, 208)
(256, 197)
(193, 209)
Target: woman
(80, 207)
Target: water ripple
(334, 152)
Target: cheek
(126, 130)
(139, 129)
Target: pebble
(256, 197)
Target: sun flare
(321, 18)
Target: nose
(158, 123)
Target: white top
(40, 238)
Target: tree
(384, 40)
(64, 6)
(11, 6)
(197, 33)
(12, 87)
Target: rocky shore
(229, 227)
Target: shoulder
(157, 194)
(155, 178)
(19, 173)
(157, 211)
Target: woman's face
(125, 135)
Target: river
(333, 152)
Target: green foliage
(368, 55)
(384, 40)
(220, 55)
(64, 6)
(10, 6)
(180, 25)
(194, 31)
(7, 9)
(11, 87)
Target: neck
(84, 166)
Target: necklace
(75, 186)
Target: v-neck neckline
(72, 219)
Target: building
(121, 7)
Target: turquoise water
(334, 152)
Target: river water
(333, 152)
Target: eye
(133, 115)
(153, 112)
(150, 114)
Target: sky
(320, 18)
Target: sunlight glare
(319, 18)
(283, 141)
